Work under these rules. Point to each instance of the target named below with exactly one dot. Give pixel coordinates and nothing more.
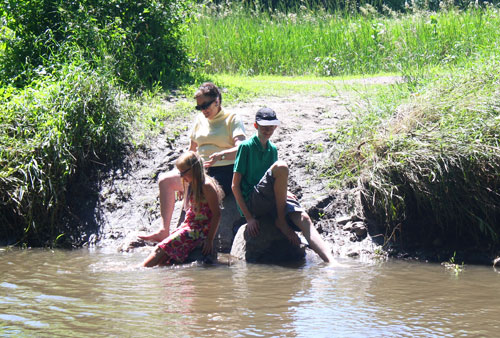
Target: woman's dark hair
(210, 90)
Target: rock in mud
(358, 228)
(270, 246)
(230, 217)
(197, 256)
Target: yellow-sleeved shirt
(216, 135)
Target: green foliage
(430, 168)
(140, 42)
(452, 265)
(158, 115)
(350, 6)
(53, 129)
(62, 115)
(234, 39)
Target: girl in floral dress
(202, 199)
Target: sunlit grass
(242, 88)
(59, 126)
(235, 40)
(429, 164)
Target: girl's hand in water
(207, 247)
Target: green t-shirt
(252, 162)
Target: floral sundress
(189, 235)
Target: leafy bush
(51, 130)
(139, 41)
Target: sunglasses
(204, 105)
(184, 172)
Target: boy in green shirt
(260, 183)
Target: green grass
(428, 165)
(424, 153)
(64, 124)
(237, 41)
(155, 113)
(56, 133)
(242, 88)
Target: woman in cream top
(215, 135)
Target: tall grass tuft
(234, 39)
(431, 171)
(350, 6)
(61, 125)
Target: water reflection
(249, 304)
(47, 293)
(437, 302)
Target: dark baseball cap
(266, 117)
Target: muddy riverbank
(128, 197)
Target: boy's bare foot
(158, 236)
(335, 264)
(288, 232)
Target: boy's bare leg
(280, 174)
(168, 184)
(155, 258)
(305, 224)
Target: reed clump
(231, 38)
(58, 127)
(70, 74)
(430, 171)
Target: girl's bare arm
(213, 203)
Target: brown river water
(93, 293)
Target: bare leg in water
(168, 184)
(300, 219)
(157, 257)
(280, 174)
(305, 224)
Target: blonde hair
(194, 190)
